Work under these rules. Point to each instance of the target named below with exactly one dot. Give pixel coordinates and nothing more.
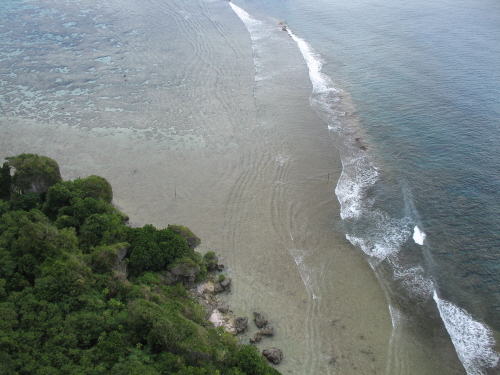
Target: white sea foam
(321, 82)
(418, 236)
(414, 280)
(397, 317)
(473, 340)
(385, 236)
(298, 255)
(357, 174)
(256, 28)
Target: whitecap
(418, 236)
(384, 238)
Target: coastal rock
(259, 319)
(267, 331)
(206, 288)
(211, 261)
(241, 324)
(274, 355)
(222, 286)
(218, 288)
(185, 270)
(257, 337)
(225, 284)
(192, 240)
(223, 307)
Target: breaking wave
(473, 340)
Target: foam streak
(473, 341)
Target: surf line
(459, 323)
(473, 340)
(476, 354)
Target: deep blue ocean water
(420, 189)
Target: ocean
(341, 157)
(419, 190)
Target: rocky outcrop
(267, 331)
(256, 338)
(241, 324)
(259, 319)
(222, 286)
(183, 271)
(265, 328)
(212, 262)
(192, 240)
(223, 307)
(274, 355)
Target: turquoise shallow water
(423, 201)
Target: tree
(94, 187)
(34, 173)
(5, 182)
(153, 250)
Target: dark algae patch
(83, 293)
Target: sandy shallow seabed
(249, 175)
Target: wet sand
(251, 172)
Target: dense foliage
(33, 173)
(68, 306)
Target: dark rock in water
(259, 319)
(256, 338)
(218, 288)
(222, 286)
(211, 261)
(220, 267)
(241, 324)
(223, 307)
(225, 283)
(274, 355)
(267, 331)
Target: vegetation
(33, 173)
(67, 303)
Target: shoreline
(253, 176)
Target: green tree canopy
(34, 173)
